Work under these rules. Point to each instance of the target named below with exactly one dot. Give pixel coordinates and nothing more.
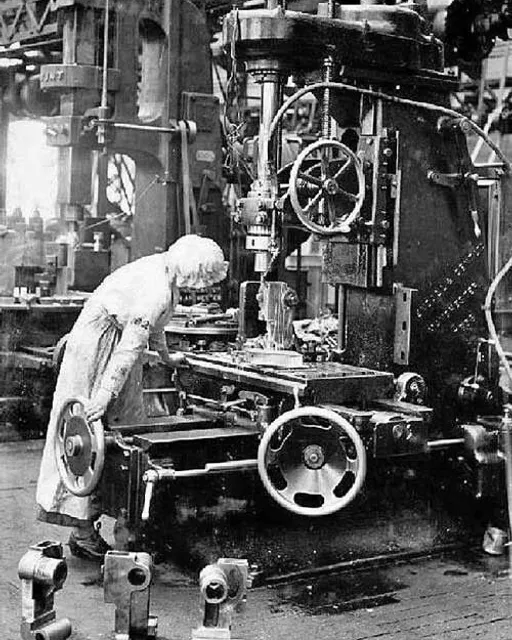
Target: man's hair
(193, 258)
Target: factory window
(31, 179)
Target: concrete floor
(453, 598)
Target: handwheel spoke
(351, 196)
(352, 465)
(331, 477)
(274, 455)
(309, 178)
(300, 479)
(313, 202)
(94, 438)
(342, 169)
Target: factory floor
(461, 596)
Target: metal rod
(445, 443)
(326, 98)
(105, 58)
(507, 440)
(103, 103)
(209, 469)
(362, 563)
(136, 127)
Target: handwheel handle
(279, 495)
(80, 484)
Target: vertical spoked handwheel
(327, 187)
(79, 447)
(312, 461)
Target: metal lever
(150, 478)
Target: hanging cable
(384, 96)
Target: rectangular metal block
(402, 342)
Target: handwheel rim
(344, 227)
(281, 496)
(78, 481)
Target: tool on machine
(223, 587)
(43, 571)
(127, 580)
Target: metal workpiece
(43, 571)
(126, 580)
(223, 589)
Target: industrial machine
(410, 235)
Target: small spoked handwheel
(312, 461)
(79, 447)
(319, 193)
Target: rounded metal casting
(79, 447)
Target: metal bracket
(127, 579)
(402, 342)
(42, 571)
(223, 588)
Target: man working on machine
(103, 362)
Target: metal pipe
(445, 443)
(136, 127)
(507, 441)
(104, 83)
(269, 104)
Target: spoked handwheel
(79, 447)
(312, 461)
(320, 194)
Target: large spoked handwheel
(312, 461)
(319, 193)
(79, 447)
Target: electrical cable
(384, 96)
(490, 322)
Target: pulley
(79, 447)
(319, 191)
(312, 461)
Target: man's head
(196, 262)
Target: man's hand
(97, 405)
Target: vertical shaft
(326, 98)
(270, 93)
